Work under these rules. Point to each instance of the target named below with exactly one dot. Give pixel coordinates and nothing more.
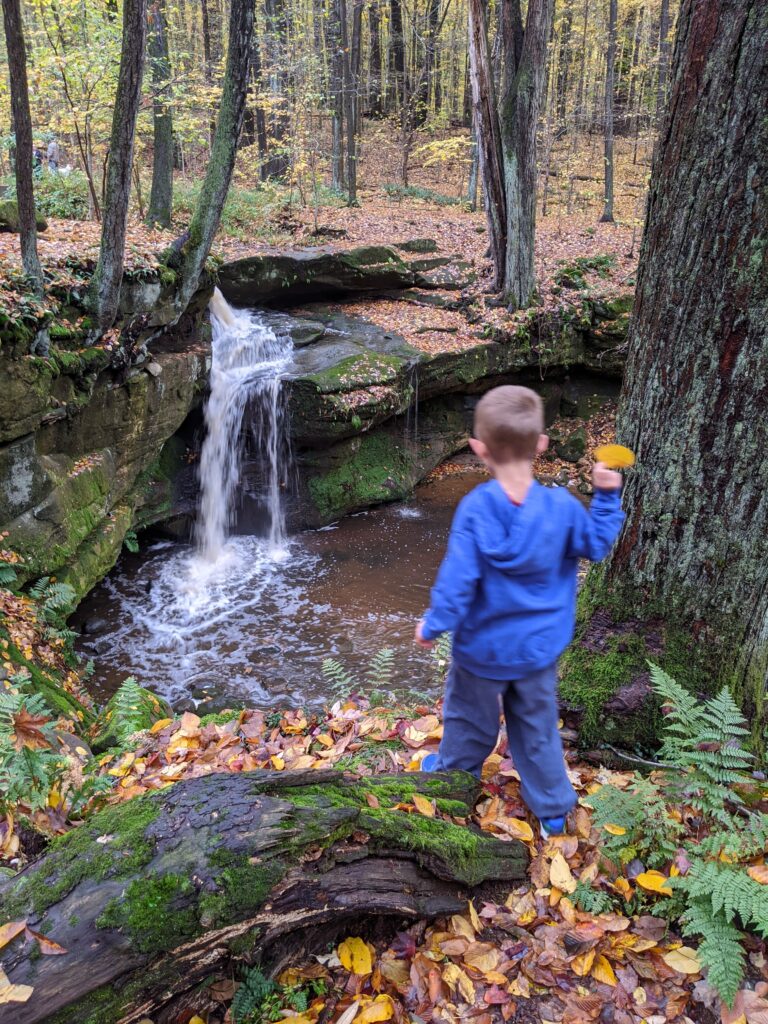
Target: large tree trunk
(161, 195)
(520, 107)
(105, 286)
(22, 123)
(695, 407)
(151, 897)
(205, 220)
(486, 125)
(610, 71)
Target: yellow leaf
(615, 830)
(382, 1008)
(461, 926)
(473, 917)
(277, 763)
(8, 932)
(517, 828)
(196, 1020)
(602, 971)
(482, 955)
(683, 960)
(158, 727)
(355, 956)
(615, 456)
(759, 873)
(560, 874)
(423, 806)
(654, 881)
(13, 993)
(582, 965)
(455, 978)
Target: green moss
(242, 887)
(220, 717)
(76, 856)
(356, 371)
(153, 912)
(49, 686)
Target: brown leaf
(27, 730)
(47, 946)
(759, 873)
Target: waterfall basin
(253, 626)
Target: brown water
(256, 627)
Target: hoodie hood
(514, 537)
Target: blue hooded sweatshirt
(507, 585)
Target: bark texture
(105, 287)
(610, 71)
(22, 121)
(161, 195)
(205, 220)
(152, 896)
(695, 403)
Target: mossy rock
(572, 447)
(419, 245)
(9, 217)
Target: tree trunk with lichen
(213, 194)
(694, 550)
(150, 897)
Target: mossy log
(151, 897)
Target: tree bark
(161, 195)
(661, 89)
(375, 107)
(610, 71)
(695, 406)
(149, 898)
(486, 124)
(564, 67)
(520, 107)
(277, 55)
(337, 96)
(22, 122)
(105, 287)
(397, 62)
(205, 220)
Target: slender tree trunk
(426, 82)
(581, 94)
(161, 195)
(632, 91)
(610, 68)
(397, 57)
(22, 122)
(661, 89)
(349, 90)
(205, 220)
(486, 122)
(105, 286)
(335, 39)
(564, 68)
(375, 82)
(277, 55)
(694, 550)
(519, 121)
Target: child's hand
(420, 639)
(604, 479)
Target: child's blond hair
(509, 421)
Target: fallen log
(150, 897)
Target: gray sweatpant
(471, 729)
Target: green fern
(27, 775)
(650, 832)
(720, 951)
(7, 576)
(381, 668)
(129, 706)
(740, 840)
(339, 680)
(591, 900)
(251, 995)
(55, 600)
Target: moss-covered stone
(9, 217)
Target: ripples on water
(255, 627)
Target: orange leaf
(759, 873)
(423, 806)
(654, 881)
(615, 456)
(9, 931)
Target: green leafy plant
(131, 542)
(54, 601)
(130, 706)
(259, 1000)
(30, 765)
(704, 777)
(591, 900)
(7, 576)
(377, 676)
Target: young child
(507, 592)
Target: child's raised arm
(593, 533)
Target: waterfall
(247, 365)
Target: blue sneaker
(552, 827)
(429, 764)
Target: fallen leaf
(47, 946)
(382, 1008)
(8, 932)
(759, 873)
(482, 955)
(603, 972)
(355, 956)
(13, 993)
(654, 881)
(423, 806)
(615, 830)
(560, 874)
(160, 725)
(683, 959)
(455, 978)
(582, 964)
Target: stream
(255, 626)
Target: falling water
(248, 362)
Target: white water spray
(248, 362)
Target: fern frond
(720, 952)
(740, 840)
(591, 900)
(7, 576)
(340, 682)
(254, 989)
(381, 669)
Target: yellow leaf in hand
(683, 959)
(654, 881)
(615, 456)
(355, 956)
